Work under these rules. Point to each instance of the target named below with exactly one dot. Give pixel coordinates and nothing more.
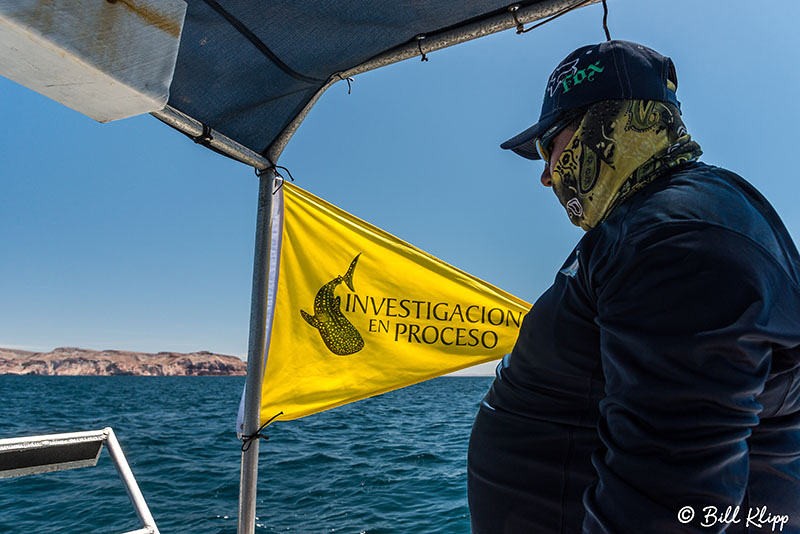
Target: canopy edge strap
(259, 44)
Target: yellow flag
(357, 312)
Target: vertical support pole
(255, 354)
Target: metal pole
(134, 493)
(255, 355)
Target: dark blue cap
(613, 70)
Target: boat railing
(31, 455)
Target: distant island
(71, 361)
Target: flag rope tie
(282, 180)
(248, 440)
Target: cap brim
(524, 144)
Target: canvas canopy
(251, 70)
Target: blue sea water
(392, 463)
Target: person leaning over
(655, 386)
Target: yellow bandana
(620, 146)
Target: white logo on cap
(561, 72)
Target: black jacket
(660, 371)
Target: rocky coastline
(72, 361)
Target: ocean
(392, 463)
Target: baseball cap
(612, 70)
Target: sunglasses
(545, 141)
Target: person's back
(548, 397)
(655, 387)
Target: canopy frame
(513, 18)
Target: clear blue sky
(128, 236)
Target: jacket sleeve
(680, 311)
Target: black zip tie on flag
(419, 39)
(605, 21)
(349, 80)
(261, 172)
(248, 440)
(274, 169)
(279, 175)
(513, 8)
(204, 137)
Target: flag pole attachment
(255, 353)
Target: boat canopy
(250, 71)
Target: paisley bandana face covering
(619, 147)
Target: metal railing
(31, 455)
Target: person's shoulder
(706, 207)
(698, 194)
